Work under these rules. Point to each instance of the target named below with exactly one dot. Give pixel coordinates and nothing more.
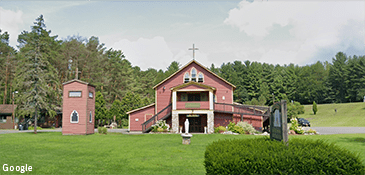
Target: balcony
(181, 105)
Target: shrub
(265, 156)
(238, 129)
(295, 126)
(102, 130)
(219, 128)
(124, 122)
(247, 128)
(32, 128)
(231, 126)
(241, 128)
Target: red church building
(199, 95)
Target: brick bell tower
(78, 108)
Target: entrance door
(195, 124)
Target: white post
(173, 100)
(211, 102)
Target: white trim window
(91, 117)
(91, 95)
(200, 78)
(74, 94)
(74, 117)
(193, 74)
(186, 77)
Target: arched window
(200, 78)
(193, 74)
(91, 117)
(186, 77)
(74, 118)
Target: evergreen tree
(337, 77)
(36, 78)
(116, 110)
(7, 68)
(100, 108)
(174, 66)
(129, 102)
(315, 109)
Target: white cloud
(146, 53)
(10, 22)
(312, 26)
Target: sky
(152, 34)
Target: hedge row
(265, 156)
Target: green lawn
(52, 153)
(348, 114)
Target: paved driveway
(321, 130)
(339, 130)
(17, 131)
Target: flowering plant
(295, 126)
(160, 126)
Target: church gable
(193, 71)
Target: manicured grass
(348, 114)
(52, 153)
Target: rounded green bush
(265, 156)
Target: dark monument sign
(278, 122)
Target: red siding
(222, 88)
(142, 115)
(8, 124)
(222, 119)
(90, 108)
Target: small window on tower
(74, 94)
(186, 77)
(201, 78)
(91, 117)
(193, 74)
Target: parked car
(25, 124)
(303, 122)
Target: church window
(91, 117)
(193, 74)
(74, 117)
(186, 77)
(201, 78)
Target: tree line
(341, 81)
(43, 62)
